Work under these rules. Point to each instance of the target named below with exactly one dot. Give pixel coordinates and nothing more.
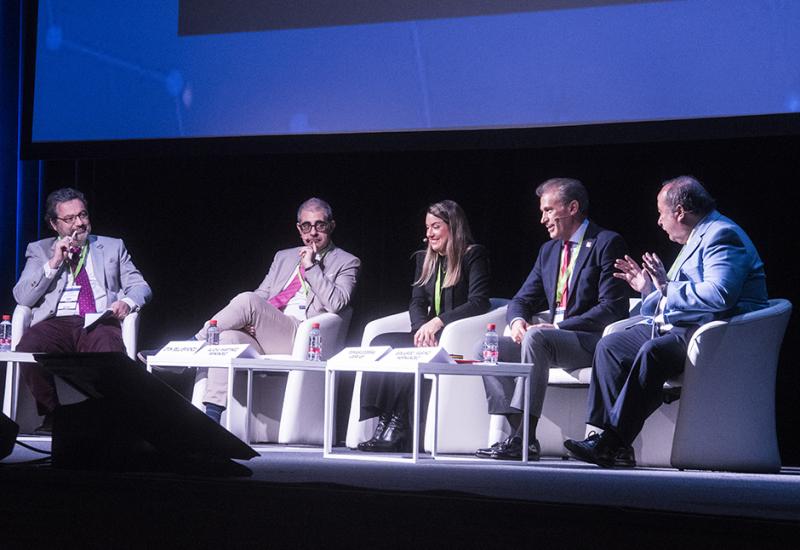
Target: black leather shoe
(393, 436)
(487, 452)
(47, 426)
(383, 420)
(595, 449)
(626, 457)
(511, 449)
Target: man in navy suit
(717, 274)
(573, 281)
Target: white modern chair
(459, 424)
(725, 417)
(20, 405)
(289, 408)
(564, 411)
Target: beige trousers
(274, 333)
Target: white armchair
(726, 419)
(459, 424)
(286, 408)
(564, 411)
(20, 406)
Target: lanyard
(674, 269)
(561, 285)
(437, 291)
(77, 270)
(301, 272)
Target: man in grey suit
(302, 282)
(64, 279)
(718, 273)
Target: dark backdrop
(202, 229)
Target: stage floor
(552, 494)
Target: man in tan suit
(302, 282)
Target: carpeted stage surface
(297, 499)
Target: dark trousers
(628, 375)
(63, 335)
(387, 392)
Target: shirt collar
(580, 232)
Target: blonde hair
(458, 243)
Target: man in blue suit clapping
(717, 274)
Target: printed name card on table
(179, 349)
(222, 354)
(418, 355)
(358, 356)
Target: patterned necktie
(563, 276)
(282, 298)
(86, 303)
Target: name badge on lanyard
(559, 316)
(68, 305)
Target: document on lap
(91, 319)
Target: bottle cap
(6, 317)
(314, 325)
(213, 322)
(491, 326)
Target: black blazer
(597, 297)
(467, 298)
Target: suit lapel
(697, 238)
(550, 275)
(98, 260)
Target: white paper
(91, 319)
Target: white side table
(265, 365)
(330, 411)
(522, 370)
(11, 393)
(418, 370)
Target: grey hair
(58, 196)
(568, 190)
(316, 204)
(688, 192)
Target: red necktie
(563, 275)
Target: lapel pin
(589, 244)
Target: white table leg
(526, 419)
(248, 405)
(415, 430)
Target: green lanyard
(563, 279)
(84, 250)
(674, 269)
(437, 291)
(303, 282)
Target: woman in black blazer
(451, 283)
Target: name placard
(418, 355)
(359, 356)
(179, 349)
(222, 354)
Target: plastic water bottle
(212, 335)
(314, 343)
(490, 344)
(5, 333)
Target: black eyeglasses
(70, 219)
(320, 226)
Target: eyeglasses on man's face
(69, 220)
(320, 226)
